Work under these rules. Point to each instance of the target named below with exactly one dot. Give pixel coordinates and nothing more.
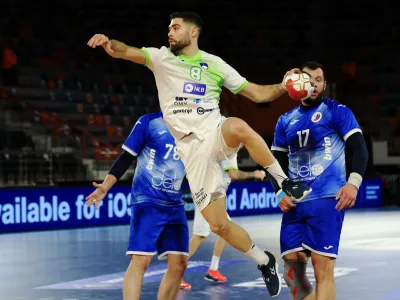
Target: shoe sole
(186, 288)
(213, 280)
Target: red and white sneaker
(215, 276)
(185, 285)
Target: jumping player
(158, 219)
(310, 141)
(189, 83)
(201, 229)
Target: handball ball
(299, 85)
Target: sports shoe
(185, 285)
(215, 275)
(295, 190)
(270, 275)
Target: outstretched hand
(97, 196)
(103, 41)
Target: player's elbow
(233, 174)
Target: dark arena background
(66, 109)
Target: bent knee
(221, 227)
(238, 127)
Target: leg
(133, 279)
(219, 247)
(213, 273)
(195, 242)
(324, 275)
(322, 236)
(295, 276)
(144, 234)
(236, 236)
(201, 230)
(208, 186)
(235, 132)
(171, 281)
(173, 245)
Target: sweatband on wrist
(355, 179)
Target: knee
(179, 267)
(140, 263)
(221, 227)
(239, 128)
(324, 269)
(296, 278)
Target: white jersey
(189, 89)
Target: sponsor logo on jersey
(198, 101)
(194, 88)
(316, 117)
(202, 111)
(182, 111)
(180, 101)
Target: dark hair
(189, 17)
(313, 65)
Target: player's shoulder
(152, 117)
(288, 116)
(334, 105)
(211, 57)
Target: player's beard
(313, 102)
(179, 45)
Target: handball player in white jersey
(189, 83)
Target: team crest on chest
(316, 117)
(204, 65)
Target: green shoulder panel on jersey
(245, 83)
(146, 52)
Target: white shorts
(200, 225)
(202, 160)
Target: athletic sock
(258, 255)
(214, 263)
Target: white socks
(258, 255)
(214, 263)
(276, 171)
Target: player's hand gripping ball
(299, 85)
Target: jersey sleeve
(230, 164)
(280, 140)
(233, 81)
(137, 138)
(153, 57)
(344, 122)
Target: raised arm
(265, 93)
(118, 49)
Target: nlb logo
(194, 88)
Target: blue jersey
(314, 139)
(159, 171)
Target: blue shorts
(313, 225)
(158, 229)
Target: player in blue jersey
(310, 141)
(158, 222)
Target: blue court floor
(85, 264)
